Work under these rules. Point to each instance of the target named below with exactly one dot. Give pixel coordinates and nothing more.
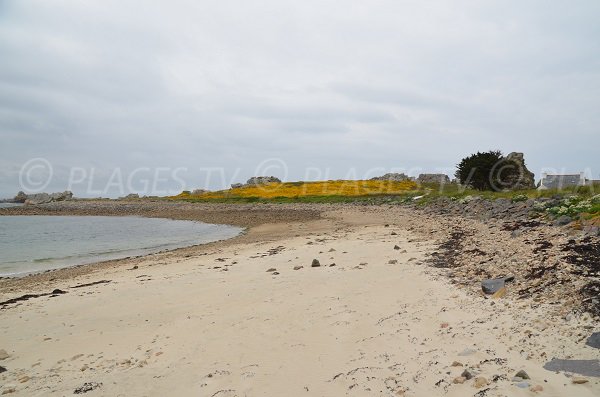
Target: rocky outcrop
(20, 197)
(198, 192)
(392, 176)
(262, 180)
(523, 179)
(43, 198)
(256, 181)
(131, 196)
(436, 179)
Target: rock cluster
(256, 181)
(438, 179)
(392, 176)
(43, 198)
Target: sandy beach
(258, 316)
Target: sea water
(30, 244)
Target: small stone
(315, 263)
(392, 261)
(8, 390)
(2, 369)
(592, 341)
(3, 354)
(467, 374)
(298, 267)
(84, 367)
(522, 374)
(271, 270)
(480, 382)
(396, 247)
(459, 380)
(24, 379)
(331, 250)
(456, 364)
(275, 273)
(500, 293)
(394, 233)
(536, 388)
(577, 380)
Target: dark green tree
(487, 171)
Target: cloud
(337, 86)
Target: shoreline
(394, 303)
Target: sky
(106, 97)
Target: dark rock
(315, 263)
(298, 267)
(58, 292)
(396, 247)
(2, 369)
(522, 374)
(467, 374)
(563, 220)
(523, 179)
(492, 286)
(508, 279)
(271, 270)
(581, 367)
(594, 340)
(86, 387)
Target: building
(558, 181)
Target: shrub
(487, 171)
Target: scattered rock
(392, 176)
(581, 367)
(522, 385)
(315, 263)
(86, 387)
(456, 364)
(459, 380)
(592, 341)
(392, 261)
(298, 267)
(396, 247)
(331, 250)
(576, 380)
(8, 390)
(492, 286)
(275, 273)
(394, 234)
(24, 379)
(2, 369)
(467, 374)
(480, 382)
(3, 354)
(522, 374)
(271, 270)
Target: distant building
(558, 182)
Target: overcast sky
(331, 89)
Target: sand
(219, 321)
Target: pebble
(467, 374)
(393, 261)
(459, 380)
(536, 388)
(396, 247)
(480, 381)
(271, 270)
(298, 267)
(9, 390)
(315, 263)
(577, 380)
(3, 354)
(24, 379)
(456, 364)
(522, 374)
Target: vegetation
(340, 190)
(486, 171)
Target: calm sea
(31, 244)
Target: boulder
(43, 198)
(437, 179)
(524, 179)
(392, 176)
(20, 197)
(262, 180)
(492, 286)
(236, 185)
